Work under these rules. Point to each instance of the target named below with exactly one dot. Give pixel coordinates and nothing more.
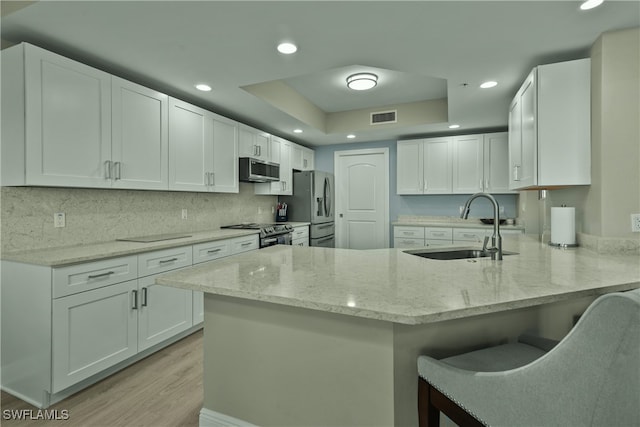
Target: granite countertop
(55, 257)
(390, 285)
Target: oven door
(282, 239)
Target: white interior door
(362, 198)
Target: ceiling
(430, 56)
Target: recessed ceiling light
(297, 131)
(487, 85)
(287, 48)
(454, 126)
(590, 4)
(351, 136)
(203, 87)
(362, 81)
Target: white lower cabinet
(92, 331)
(163, 312)
(86, 320)
(300, 235)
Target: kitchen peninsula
(316, 336)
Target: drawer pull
(469, 235)
(97, 276)
(213, 251)
(164, 261)
(246, 244)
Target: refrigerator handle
(319, 201)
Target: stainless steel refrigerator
(312, 201)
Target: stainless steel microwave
(256, 170)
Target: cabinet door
(253, 143)
(163, 312)
(437, 161)
(224, 174)
(140, 142)
(496, 163)
(515, 142)
(198, 307)
(308, 159)
(468, 164)
(409, 168)
(68, 114)
(93, 331)
(190, 147)
(528, 174)
(286, 173)
(296, 157)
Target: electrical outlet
(59, 220)
(635, 223)
(184, 214)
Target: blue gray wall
(424, 205)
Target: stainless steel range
(270, 234)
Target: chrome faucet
(496, 239)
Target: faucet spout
(496, 238)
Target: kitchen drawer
(436, 242)
(92, 275)
(469, 234)
(211, 250)
(300, 232)
(438, 233)
(164, 260)
(411, 232)
(300, 242)
(407, 242)
(244, 244)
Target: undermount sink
(453, 253)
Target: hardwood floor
(164, 389)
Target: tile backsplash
(96, 215)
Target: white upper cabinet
(280, 154)
(67, 124)
(203, 150)
(254, 143)
(550, 127)
(140, 143)
(409, 167)
(463, 164)
(468, 164)
(56, 120)
(308, 159)
(424, 166)
(496, 163)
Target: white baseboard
(209, 418)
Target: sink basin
(453, 253)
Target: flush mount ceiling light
(590, 4)
(203, 87)
(362, 81)
(454, 126)
(287, 48)
(351, 136)
(297, 131)
(487, 85)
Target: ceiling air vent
(383, 117)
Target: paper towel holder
(563, 245)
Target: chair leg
(428, 415)
(442, 403)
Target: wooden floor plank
(164, 389)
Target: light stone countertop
(390, 285)
(55, 257)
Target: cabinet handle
(516, 168)
(259, 150)
(481, 185)
(246, 244)
(118, 170)
(304, 163)
(469, 235)
(97, 276)
(213, 251)
(107, 169)
(134, 294)
(144, 297)
(213, 179)
(438, 234)
(164, 261)
(486, 185)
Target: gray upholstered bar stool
(590, 378)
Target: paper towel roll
(563, 226)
